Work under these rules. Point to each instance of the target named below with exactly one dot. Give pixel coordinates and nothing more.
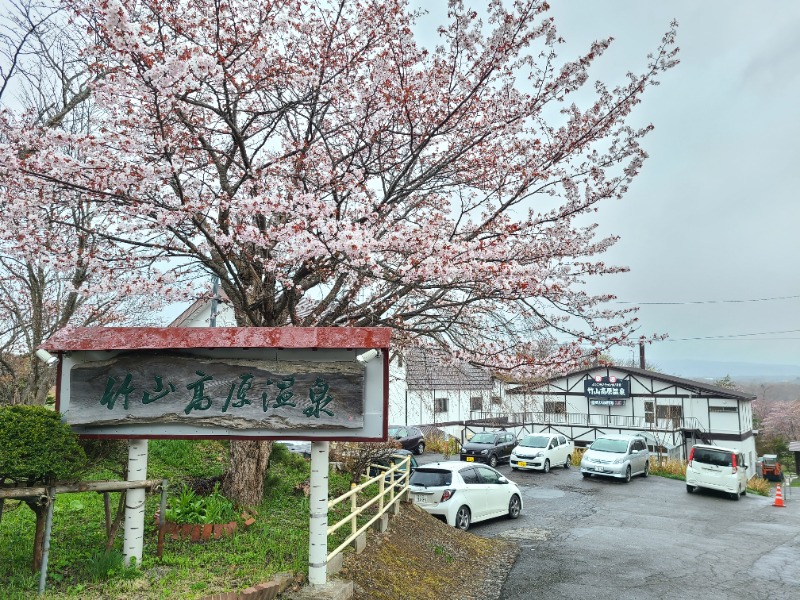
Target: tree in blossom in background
(333, 171)
(778, 423)
(46, 248)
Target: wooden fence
(389, 492)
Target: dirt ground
(422, 558)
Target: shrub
(439, 445)
(189, 508)
(36, 447)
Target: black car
(410, 438)
(490, 447)
(395, 458)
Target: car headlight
(513, 456)
(619, 460)
(484, 452)
(538, 455)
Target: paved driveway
(603, 539)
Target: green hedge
(36, 447)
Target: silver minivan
(618, 456)
(716, 468)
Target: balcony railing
(592, 420)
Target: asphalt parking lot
(649, 539)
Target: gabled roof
(697, 387)
(430, 370)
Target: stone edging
(207, 532)
(263, 591)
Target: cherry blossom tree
(316, 152)
(45, 252)
(778, 423)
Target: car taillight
(446, 495)
(691, 456)
(733, 462)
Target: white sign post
(318, 522)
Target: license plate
(419, 499)
(470, 459)
(522, 463)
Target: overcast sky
(713, 220)
(714, 216)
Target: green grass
(79, 568)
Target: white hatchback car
(540, 451)
(463, 493)
(716, 468)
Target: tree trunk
(38, 539)
(244, 483)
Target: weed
(192, 509)
(104, 565)
(440, 551)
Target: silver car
(620, 456)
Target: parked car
(620, 456)
(540, 451)
(462, 493)
(410, 438)
(298, 447)
(396, 458)
(716, 468)
(490, 447)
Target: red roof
(158, 338)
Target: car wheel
(420, 448)
(513, 468)
(514, 507)
(568, 462)
(744, 492)
(586, 475)
(646, 469)
(628, 474)
(493, 460)
(735, 495)
(463, 518)
(546, 465)
(690, 489)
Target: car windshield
(483, 438)
(606, 445)
(535, 441)
(393, 431)
(431, 477)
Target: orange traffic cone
(778, 497)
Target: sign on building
(607, 391)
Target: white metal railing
(396, 487)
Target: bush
(439, 445)
(189, 508)
(36, 447)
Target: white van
(716, 468)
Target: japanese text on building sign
(605, 387)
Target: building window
(558, 408)
(648, 412)
(440, 405)
(476, 403)
(495, 399)
(668, 411)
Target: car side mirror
(502, 480)
(634, 452)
